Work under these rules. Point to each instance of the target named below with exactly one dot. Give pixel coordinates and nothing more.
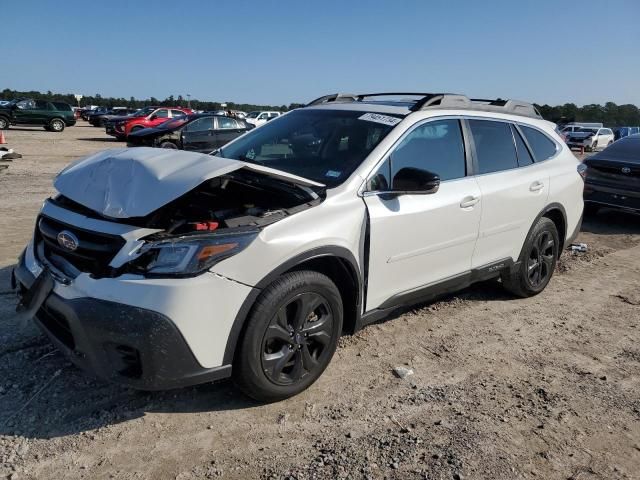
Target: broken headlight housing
(191, 255)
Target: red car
(147, 117)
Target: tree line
(610, 114)
(131, 102)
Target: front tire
(537, 260)
(56, 125)
(290, 337)
(4, 123)
(168, 144)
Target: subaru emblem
(68, 240)
(626, 170)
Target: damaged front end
(182, 212)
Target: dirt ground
(544, 388)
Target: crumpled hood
(133, 182)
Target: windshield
(321, 145)
(253, 115)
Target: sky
(279, 52)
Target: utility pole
(188, 100)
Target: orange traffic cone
(2, 139)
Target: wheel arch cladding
(556, 214)
(337, 263)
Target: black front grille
(94, 251)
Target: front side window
(495, 149)
(26, 105)
(543, 147)
(263, 116)
(435, 146)
(322, 145)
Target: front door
(421, 240)
(199, 135)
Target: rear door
(421, 240)
(226, 130)
(199, 135)
(514, 189)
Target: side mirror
(414, 181)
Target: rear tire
(4, 123)
(56, 125)
(290, 337)
(537, 260)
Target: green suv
(54, 116)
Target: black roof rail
(334, 97)
(442, 100)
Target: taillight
(582, 170)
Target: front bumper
(119, 343)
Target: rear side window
(62, 106)
(494, 146)
(435, 146)
(524, 157)
(226, 123)
(543, 147)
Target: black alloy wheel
(537, 260)
(297, 339)
(541, 259)
(290, 336)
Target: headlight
(191, 255)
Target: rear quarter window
(542, 146)
(62, 106)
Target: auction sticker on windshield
(384, 119)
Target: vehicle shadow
(43, 395)
(611, 222)
(102, 139)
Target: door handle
(536, 186)
(469, 201)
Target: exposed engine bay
(240, 199)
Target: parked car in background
(198, 133)
(54, 116)
(612, 177)
(121, 127)
(4, 102)
(253, 262)
(95, 111)
(621, 132)
(258, 118)
(591, 138)
(100, 119)
(569, 128)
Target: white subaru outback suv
(161, 269)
